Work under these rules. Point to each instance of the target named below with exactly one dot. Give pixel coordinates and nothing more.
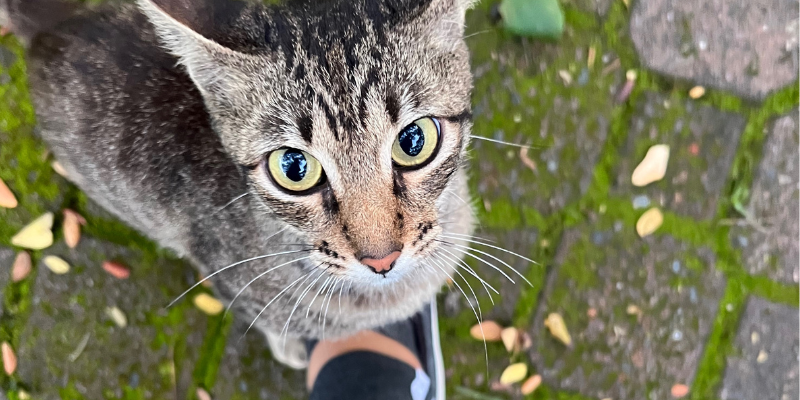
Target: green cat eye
(294, 170)
(416, 143)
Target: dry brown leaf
(22, 266)
(555, 323)
(653, 167)
(118, 316)
(514, 373)
(531, 384)
(72, 227)
(56, 264)
(208, 304)
(526, 341)
(679, 390)
(523, 155)
(37, 235)
(510, 337)
(116, 270)
(697, 92)
(9, 359)
(7, 198)
(649, 222)
(490, 331)
(202, 394)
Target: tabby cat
(308, 157)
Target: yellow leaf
(117, 316)
(36, 235)
(510, 338)
(490, 331)
(208, 304)
(56, 264)
(653, 167)
(649, 222)
(514, 373)
(697, 92)
(555, 323)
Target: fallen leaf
(762, 357)
(541, 18)
(491, 331)
(56, 264)
(116, 270)
(526, 341)
(633, 310)
(649, 222)
(59, 169)
(202, 394)
(9, 359)
(697, 92)
(72, 227)
(514, 373)
(510, 338)
(208, 304)
(653, 167)
(22, 266)
(590, 58)
(679, 390)
(531, 384)
(625, 91)
(37, 235)
(523, 155)
(555, 323)
(631, 74)
(7, 198)
(23, 395)
(591, 313)
(565, 76)
(694, 149)
(117, 316)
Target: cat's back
(126, 121)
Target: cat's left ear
(184, 27)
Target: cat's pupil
(412, 140)
(294, 165)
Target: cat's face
(351, 118)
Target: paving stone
(249, 372)
(6, 261)
(770, 246)
(743, 46)
(767, 364)
(153, 356)
(703, 143)
(624, 352)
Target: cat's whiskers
(477, 316)
(303, 294)
(233, 201)
(232, 266)
(330, 298)
(469, 236)
(466, 267)
(258, 277)
(324, 285)
(277, 296)
(448, 235)
(482, 260)
(523, 146)
(466, 250)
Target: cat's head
(352, 117)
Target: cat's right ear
(219, 72)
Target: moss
(205, 371)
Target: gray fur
(165, 139)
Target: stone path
(709, 301)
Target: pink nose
(383, 265)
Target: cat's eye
(294, 170)
(416, 143)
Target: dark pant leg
(363, 375)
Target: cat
(299, 155)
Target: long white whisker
(324, 285)
(256, 278)
(469, 236)
(277, 296)
(480, 325)
(500, 142)
(468, 249)
(330, 298)
(229, 267)
(462, 264)
(483, 261)
(233, 201)
(340, 297)
(489, 245)
(302, 295)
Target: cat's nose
(381, 265)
